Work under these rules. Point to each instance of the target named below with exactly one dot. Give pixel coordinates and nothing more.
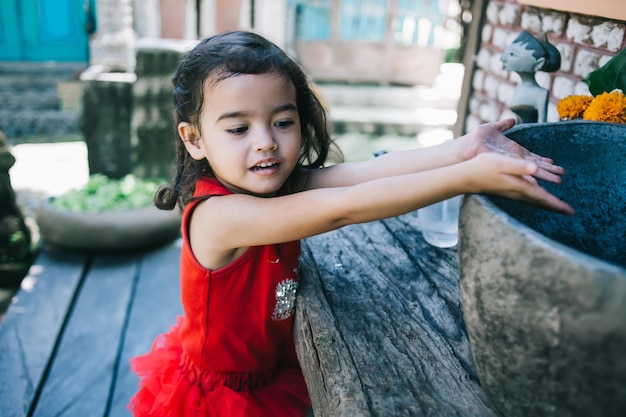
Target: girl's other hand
(512, 177)
(489, 138)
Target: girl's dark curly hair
(227, 55)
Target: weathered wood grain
(379, 325)
(83, 370)
(31, 328)
(155, 306)
(379, 328)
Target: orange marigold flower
(607, 107)
(573, 107)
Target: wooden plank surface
(84, 366)
(379, 328)
(155, 307)
(30, 330)
(379, 325)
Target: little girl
(250, 176)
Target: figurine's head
(530, 54)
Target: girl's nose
(264, 141)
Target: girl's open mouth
(265, 166)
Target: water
(439, 223)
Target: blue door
(10, 49)
(43, 30)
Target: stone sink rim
(544, 241)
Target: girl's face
(516, 57)
(249, 132)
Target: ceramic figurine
(525, 56)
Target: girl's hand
(489, 138)
(512, 177)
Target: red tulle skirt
(170, 385)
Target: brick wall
(585, 43)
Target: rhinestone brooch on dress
(285, 299)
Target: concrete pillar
(147, 18)
(208, 10)
(270, 19)
(105, 123)
(113, 45)
(152, 127)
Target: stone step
(402, 110)
(384, 96)
(31, 90)
(30, 100)
(41, 123)
(389, 121)
(444, 94)
(19, 84)
(59, 70)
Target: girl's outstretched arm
(223, 227)
(485, 138)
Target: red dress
(232, 354)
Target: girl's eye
(284, 123)
(240, 130)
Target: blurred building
(379, 41)
(386, 41)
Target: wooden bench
(379, 328)
(379, 325)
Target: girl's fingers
(502, 125)
(547, 171)
(538, 157)
(523, 167)
(542, 174)
(539, 196)
(535, 195)
(552, 203)
(529, 190)
(530, 179)
(550, 167)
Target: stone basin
(114, 231)
(543, 294)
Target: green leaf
(102, 194)
(610, 76)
